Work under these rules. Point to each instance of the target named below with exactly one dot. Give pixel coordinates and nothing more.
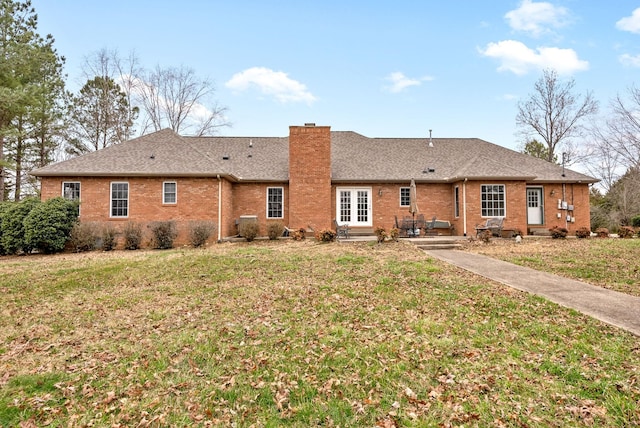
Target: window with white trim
(71, 190)
(169, 192)
(275, 202)
(405, 196)
(119, 199)
(492, 197)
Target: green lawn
(297, 334)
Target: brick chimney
(310, 176)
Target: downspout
(464, 206)
(219, 208)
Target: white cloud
(400, 82)
(516, 57)
(274, 83)
(537, 18)
(630, 60)
(630, 23)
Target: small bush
(109, 235)
(635, 221)
(299, 235)
(83, 237)
(626, 232)
(394, 234)
(200, 232)
(275, 230)
(163, 234)
(602, 232)
(132, 235)
(249, 230)
(485, 236)
(326, 235)
(583, 232)
(49, 224)
(381, 233)
(558, 232)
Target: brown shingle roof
(355, 158)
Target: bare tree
(176, 98)
(623, 129)
(554, 113)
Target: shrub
(109, 234)
(299, 234)
(132, 235)
(163, 234)
(635, 221)
(12, 225)
(83, 237)
(48, 225)
(275, 230)
(200, 232)
(626, 232)
(381, 233)
(4, 206)
(485, 236)
(602, 232)
(583, 232)
(394, 234)
(326, 235)
(249, 230)
(558, 232)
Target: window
(492, 198)
(119, 199)
(405, 196)
(169, 192)
(275, 199)
(456, 200)
(71, 190)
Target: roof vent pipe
(430, 140)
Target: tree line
(41, 121)
(561, 126)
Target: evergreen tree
(100, 115)
(27, 61)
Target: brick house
(316, 175)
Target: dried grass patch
(299, 334)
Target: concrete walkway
(612, 307)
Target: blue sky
(379, 68)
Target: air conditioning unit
(246, 219)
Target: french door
(353, 206)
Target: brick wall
(574, 194)
(310, 192)
(251, 199)
(197, 200)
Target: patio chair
(341, 231)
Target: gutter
(219, 208)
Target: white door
(353, 206)
(535, 206)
